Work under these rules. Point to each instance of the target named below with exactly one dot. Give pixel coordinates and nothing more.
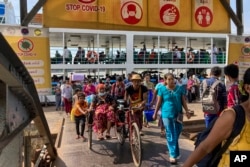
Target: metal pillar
(237, 19)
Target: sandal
(100, 137)
(172, 160)
(78, 137)
(162, 134)
(83, 138)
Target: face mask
(102, 93)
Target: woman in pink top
(190, 85)
(89, 89)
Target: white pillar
(130, 52)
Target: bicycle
(125, 126)
(89, 118)
(130, 128)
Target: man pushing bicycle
(136, 96)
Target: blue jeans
(173, 131)
(209, 118)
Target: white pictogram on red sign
(169, 14)
(203, 16)
(131, 12)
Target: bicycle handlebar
(136, 108)
(133, 108)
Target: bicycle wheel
(89, 131)
(90, 136)
(135, 144)
(121, 134)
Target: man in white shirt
(67, 93)
(214, 54)
(66, 55)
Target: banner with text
(239, 52)
(141, 15)
(32, 47)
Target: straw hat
(136, 77)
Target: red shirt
(233, 95)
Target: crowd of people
(86, 57)
(169, 99)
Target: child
(75, 96)
(80, 110)
(231, 72)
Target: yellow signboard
(209, 16)
(142, 15)
(32, 47)
(239, 52)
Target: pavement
(74, 152)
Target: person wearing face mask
(108, 85)
(136, 95)
(104, 105)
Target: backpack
(212, 159)
(209, 101)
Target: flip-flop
(172, 160)
(83, 138)
(100, 138)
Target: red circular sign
(86, 1)
(203, 16)
(131, 12)
(245, 50)
(25, 45)
(169, 14)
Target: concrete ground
(74, 152)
